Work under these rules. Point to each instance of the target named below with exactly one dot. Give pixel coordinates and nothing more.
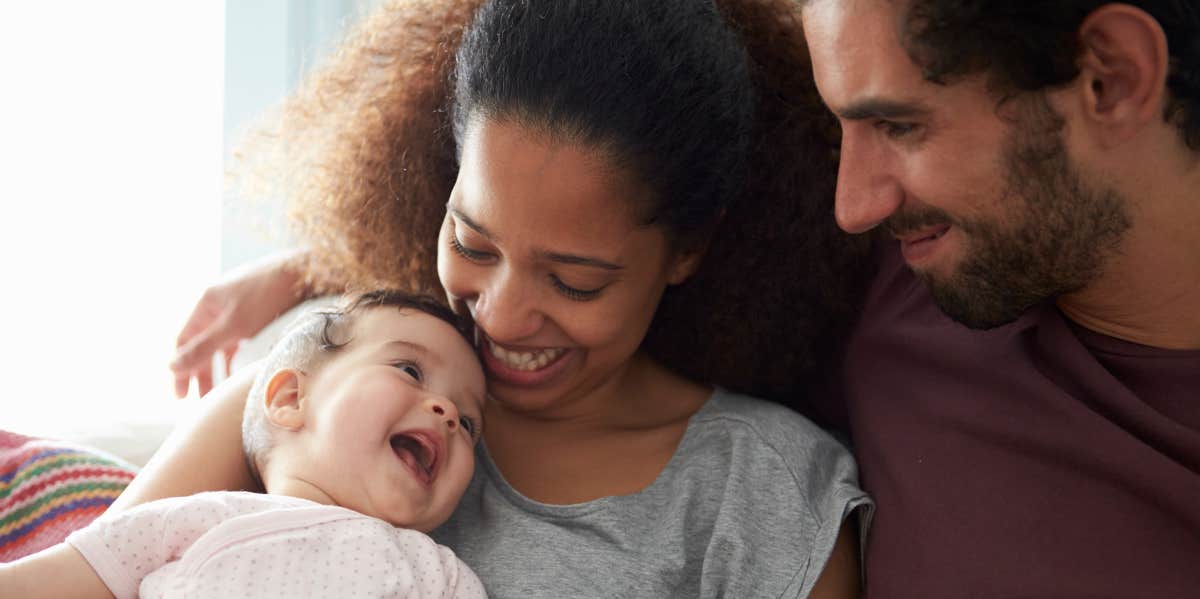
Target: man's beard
(1054, 238)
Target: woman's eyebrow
(466, 220)
(574, 260)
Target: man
(1038, 166)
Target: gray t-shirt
(749, 506)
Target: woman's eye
(411, 369)
(579, 295)
(466, 252)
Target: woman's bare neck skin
(617, 447)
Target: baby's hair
(314, 338)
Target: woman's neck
(614, 441)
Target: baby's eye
(467, 424)
(411, 369)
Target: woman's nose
(867, 193)
(444, 410)
(507, 309)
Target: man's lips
(421, 450)
(919, 246)
(924, 234)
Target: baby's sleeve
(417, 566)
(123, 548)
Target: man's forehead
(856, 54)
(849, 28)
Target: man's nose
(867, 192)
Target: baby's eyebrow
(414, 347)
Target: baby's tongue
(407, 449)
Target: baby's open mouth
(418, 452)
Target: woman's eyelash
(464, 251)
(411, 368)
(581, 295)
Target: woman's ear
(685, 263)
(687, 260)
(284, 399)
(1123, 70)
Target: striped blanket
(50, 488)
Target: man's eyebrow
(569, 259)
(881, 108)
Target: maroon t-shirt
(1038, 459)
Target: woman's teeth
(527, 360)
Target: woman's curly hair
(1031, 45)
(367, 157)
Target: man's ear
(284, 399)
(1123, 70)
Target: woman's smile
(524, 366)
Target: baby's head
(375, 407)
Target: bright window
(111, 145)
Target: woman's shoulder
(777, 426)
(774, 451)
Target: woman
(600, 193)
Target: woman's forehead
(517, 182)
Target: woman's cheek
(449, 273)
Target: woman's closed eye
(574, 293)
(466, 252)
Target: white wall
(110, 174)
(269, 45)
(114, 120)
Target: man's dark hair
(1030, 45)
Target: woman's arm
(202, 454)
(839, 579)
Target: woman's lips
(522, 366)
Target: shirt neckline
(576, 510)
(1098, 342)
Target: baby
(361, 427)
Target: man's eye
(411, 369)
(896, 130)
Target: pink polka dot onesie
(236, 544)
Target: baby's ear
(283, 403)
